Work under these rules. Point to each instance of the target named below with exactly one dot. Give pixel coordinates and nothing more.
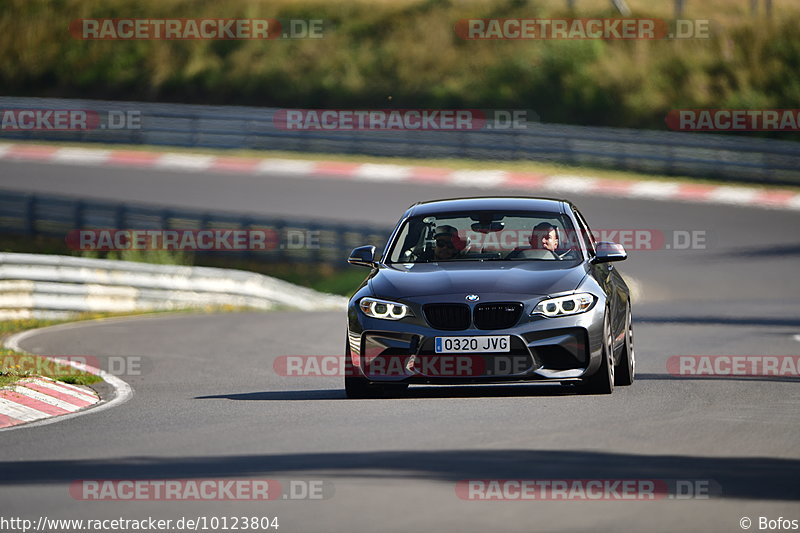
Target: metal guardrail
(736, 158)
(56, 216)
(53, 286)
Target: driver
(448, 243)
(544, 237)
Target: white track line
(51, 386)
(285, 166)
(44, 398)
(189, 162)
(654, 189)
(573, 184)
(478, 178)
(20, 412)
(82, 156)
(485, 179)
(60, 385)
(373, 172)
(794, 203)
(65, 388)
(122, 391)
(733, 195)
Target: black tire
(358, 387)
(392, 389)
(626, 369)
(354, 386)
(602, 381)
(361, 388)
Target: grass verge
(15, 365)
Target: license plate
(483, 343)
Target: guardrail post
(78, 214)
(245, 223)
(315, 254)
(30, 212)
(195, 138)
(280, 227)
(120, 216)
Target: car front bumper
(541, 349)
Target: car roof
(489, 203)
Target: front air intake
(451, 317)
(497, 315)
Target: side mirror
(608, 252)
(362, 256)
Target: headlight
(384, 309)
(564, 305)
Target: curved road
(209, 405)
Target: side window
(402, 245)
(588, 238)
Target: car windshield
(486, 236)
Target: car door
(609, 278)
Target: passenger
(543, 241)
(449, 244)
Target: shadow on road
(718, 320)
(414, 392)
(670, 377)
(322, 394)
(788, 250)
(758, 478)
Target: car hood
(490, 277)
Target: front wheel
(602, 381)
(627, 361)
(359, 387)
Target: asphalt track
(209, 404)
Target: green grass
(15, 365)
(9, 327)
(407, 50)
(322, 278)
(157, 257)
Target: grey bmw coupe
(490, 290)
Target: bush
(407, 50)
